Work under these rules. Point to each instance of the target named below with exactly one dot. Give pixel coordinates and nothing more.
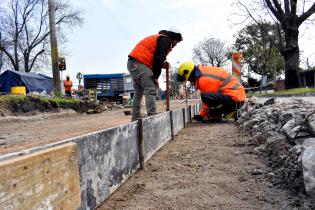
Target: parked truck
(109, 86)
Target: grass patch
(20, 98)
(290, 92)
(60, 100)
(12, 98)
(17, 104)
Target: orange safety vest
(218, 80)
(67, 85)
(145, 49)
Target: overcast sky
(111, 29)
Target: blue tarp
(32, 82)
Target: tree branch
(306, 15)
(278, 7)
(293, 6)
(40, 26)
(9, 56)
(35, 57)
(286, 7)
(274, 11)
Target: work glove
(156, 83)
(166, 65)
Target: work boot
(215, 118)
(199, 118)
(230, 115)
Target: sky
(112, 28)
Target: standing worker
(221, 92)
(68, 86)
(145, 63)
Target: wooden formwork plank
(48, 179)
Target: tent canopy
(32, 82)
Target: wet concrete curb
(107, 158)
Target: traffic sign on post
(79, 77)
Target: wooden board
(48, 179)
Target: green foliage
(260, 54)
(18, 99)
(58, 93)
(295, 91)
(12, 98)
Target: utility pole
(54, 47)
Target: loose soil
(207, 166)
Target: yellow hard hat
(185, 70)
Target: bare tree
(174, 89)
(25, 31)
(309, 65)
(289, 16)
(212, 52)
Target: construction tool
(167, 89)
(186, 95)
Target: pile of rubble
(284, 134)
(110, 106)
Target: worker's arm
(164, 44)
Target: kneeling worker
(221, 92)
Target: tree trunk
(16, 65)
(291, 59)
(26, 62)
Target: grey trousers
(144, 85)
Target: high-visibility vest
(145, 49)
(67, 84)
(218, 80)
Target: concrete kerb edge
(47, 146)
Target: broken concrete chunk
(269, 101)
(310, 123)
(286, 116)
(297, 132)
(307, 143)
(287, 128)
(308, 164)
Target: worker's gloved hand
(166, 65)
(156, 83)
(199, 118)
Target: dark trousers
(68, 93)
(219, 103)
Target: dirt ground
(207, 166)
(22, 132)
